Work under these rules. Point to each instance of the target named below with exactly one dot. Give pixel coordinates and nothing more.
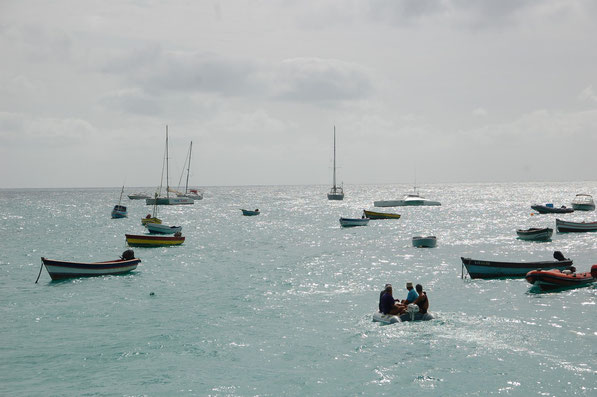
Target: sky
(446, 91)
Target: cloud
(588, 94)
(132, 101)
(22, 129)
(480, 112)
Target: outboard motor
(412, 309)
(559, 256)
(128, 255)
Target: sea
(281, 304)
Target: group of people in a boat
(416, 295)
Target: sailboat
(337, 192)
(153, 217)
(167, 200)
(119, 211)
(191, 193)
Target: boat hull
(424, 242)
(535, 234)
(583, 207)
(336, 196)
(138, 196)
(406, 203)
(145, 240)
(169, 201)
(59, 270)
(119, 214)
(158, 228)
(250, 213)
(380, 215)
(543, 209)
(575, 227)
(351, 222)
(555, 279)
(391, 319)
(492, 269)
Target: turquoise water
(281, 303)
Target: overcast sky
(447, 90)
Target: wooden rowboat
(162, 229)
(59, 270)
(350, 222)
(250, 212)
(380, 215)
(535, 234)
(566, 226)
(148, 240)
(424, 242)
(492, 269)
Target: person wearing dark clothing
(387, 303)
(422, 301)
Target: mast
(186, 186)
(334, 187)
(167, 172)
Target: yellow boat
(145, 221)
(380, 215)
(146, 240)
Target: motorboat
(380, 215)
(151, 240)
(350, 222)
(251, 212)
(59, 269)
(411, 199)
(424, 242)
(567, 226)
(583, 202)
(493, 269)
(554, 279)
(550, 209)
(158, 228)
(138, 196)
(535, 234)
(412, 314)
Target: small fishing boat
(535, 234)
(350, 222)
(150, 219)
(566, 226)
(550, 209)
(412, 314)
(553, 278)
(119, 211)
(138, 196)
(493, 269)
(250, 213)
(411, 199)
(158, 228)
(59, 269)
(583, 202)
(380, 215)
(149, 240)
(424, 242)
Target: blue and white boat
(119, 211)
(158, 228)
(492, 269)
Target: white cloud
(588, 94)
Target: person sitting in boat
(383, 291)
(422, 301)
(388, 304)
(410, 297)
(148, 216)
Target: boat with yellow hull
(380, 215)
(145, 240)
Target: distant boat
(148, 240)
(158, 228)
(59, 269)
(153, 217)
(380, 215)
(337, 192)
(195, 194)
(566, 226)
(411, 199)
(424, 242)
(119, 211)
(250, 212)
(138, 196)
(583, 202)
(554, 279)
(167, 200)
(535, 234)
(350, 222)
(493, 269)
(550, 209)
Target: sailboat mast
(167, 172)
(334, 159)
(186, 186)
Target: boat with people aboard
(411, 199)
(554, 279)
(251, 212)
(60, 269)
(424, 242)
(119, 210)
(167, 200)
(380, 215)
(158, 228)
(575, 227)
(550, 209)
(535, 234)
(494, 269)
(336, 192)
(139, 196)
(583, 202)
(351, 222)
(152, 240)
